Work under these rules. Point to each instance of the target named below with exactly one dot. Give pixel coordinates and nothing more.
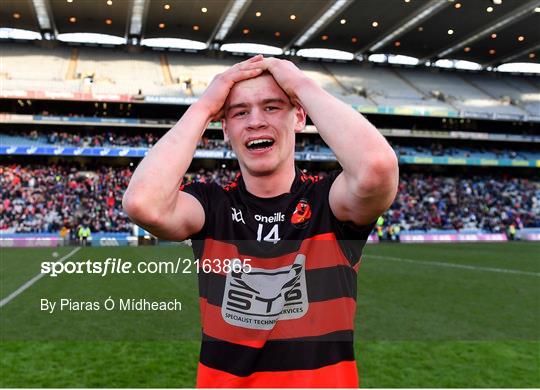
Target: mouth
(260, 144)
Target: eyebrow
(263, 102)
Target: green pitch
(460, 315)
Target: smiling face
(261, 122)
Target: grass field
(457, 315)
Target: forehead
(256, 89)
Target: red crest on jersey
(301, 214)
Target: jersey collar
(297, 182)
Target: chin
(261, 168)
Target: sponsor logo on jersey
(277, 217)
(261, 297)
(237, 215)
(302, 214)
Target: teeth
(258, 141)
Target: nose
(256, 120)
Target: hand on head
(286, 74)
(215, 95)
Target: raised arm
(153, 199)
(368, 184)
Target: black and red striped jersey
(282, 314)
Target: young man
(282, 314)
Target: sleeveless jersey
(283, 316)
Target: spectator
(43, 198)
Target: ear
(300, 118)
(224, 127)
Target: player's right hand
(215, 95)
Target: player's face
(260, 122)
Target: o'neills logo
(260, 298)
(301, 214)
(277, 217)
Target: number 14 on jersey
(272, 236)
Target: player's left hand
(286, 74)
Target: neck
(269, 186)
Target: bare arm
(368, 184)
(153, 199)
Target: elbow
(138, 211)
(390, 169)
(128, 203)
(380, 177)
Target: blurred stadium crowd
(86, 139)
(479, 202)
(119, 138)
(45, 198)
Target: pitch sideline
(453, 265)
(30, 282)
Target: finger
(243, 66)
(250, 60)
(251, 65)
(256, 58)
(264, 63)
(245, 74)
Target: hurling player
(280, 312)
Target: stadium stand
(528, 92)
(214, 141)
(41, 198)
(193, 73)
(42, 85)
(327, 80)
(44, 198)
(526, 96)
(490, 203)
(19, 62)
(103, 70)
(117, 72)
(63, 138)
(18, 69)
(447, 201)
(378, 80)
(457, 91)
(383, 86)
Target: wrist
(304, 87)
(202, 110)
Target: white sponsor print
(261, 297)
(277, 217)
(237, 215)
